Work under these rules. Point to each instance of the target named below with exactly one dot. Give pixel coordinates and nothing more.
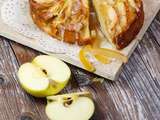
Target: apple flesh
(45, 76)
(76, 106)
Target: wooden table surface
(135, 96)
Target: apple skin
(59, 75)
(46, 92)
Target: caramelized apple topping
(65, 19)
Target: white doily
(16, 14)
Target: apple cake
(69, 20)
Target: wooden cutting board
(154, 6)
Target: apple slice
(45, 76)
(76, 106)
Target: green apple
(76, 106)
(44, 76)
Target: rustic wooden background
(135, 96)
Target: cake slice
(66, 20)
(120, 20)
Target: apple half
(75, 106)
(44, 76)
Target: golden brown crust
(124, 39)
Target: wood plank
(80, 78)
(111, 71)
(14, 102)
(134, 96)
